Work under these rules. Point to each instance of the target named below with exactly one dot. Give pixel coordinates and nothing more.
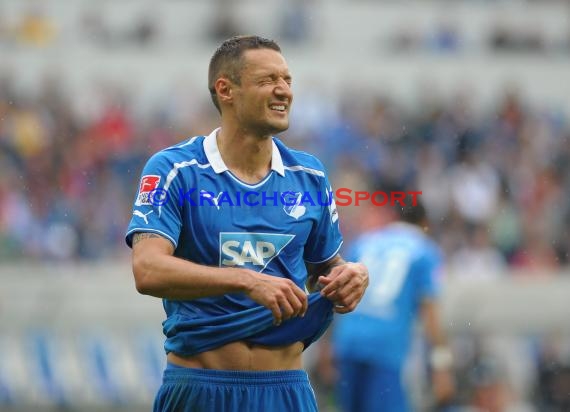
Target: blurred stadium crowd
(497, 184)
(496, 181)
(295, 22)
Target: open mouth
(278, 108)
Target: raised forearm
(174, 278)
(158, 273)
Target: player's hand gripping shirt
(188, 195)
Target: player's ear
(224, 90)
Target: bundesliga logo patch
(148, 184)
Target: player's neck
(247, 156)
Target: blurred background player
(371, 345)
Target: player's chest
(216, 209)
(248, 210)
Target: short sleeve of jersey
(325, 238)
(155, 209)
(352, 252)
(428, 269)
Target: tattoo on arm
(330, 264)
(143, 235)
(321, 269)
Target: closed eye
(274, 79)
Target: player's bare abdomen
(244, 356)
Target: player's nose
(283, 89)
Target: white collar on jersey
(218, 165)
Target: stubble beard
(270, 128)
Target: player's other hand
(345, 285)
(281, 296)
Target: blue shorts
(365, 387)
(207, 390)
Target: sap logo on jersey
(252, 250)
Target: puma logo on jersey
(207, 195)
(251, 250)
(143, 215)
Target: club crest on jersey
(148, 184)
(251, 250)
(294, 204)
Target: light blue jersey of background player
(372, 343)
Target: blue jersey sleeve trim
(145, 229)
(327, 259)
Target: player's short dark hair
(227, 60)
(413, 210)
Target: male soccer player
(228, 229)
(370, 345)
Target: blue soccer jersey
(188, 195)
(403, 264)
